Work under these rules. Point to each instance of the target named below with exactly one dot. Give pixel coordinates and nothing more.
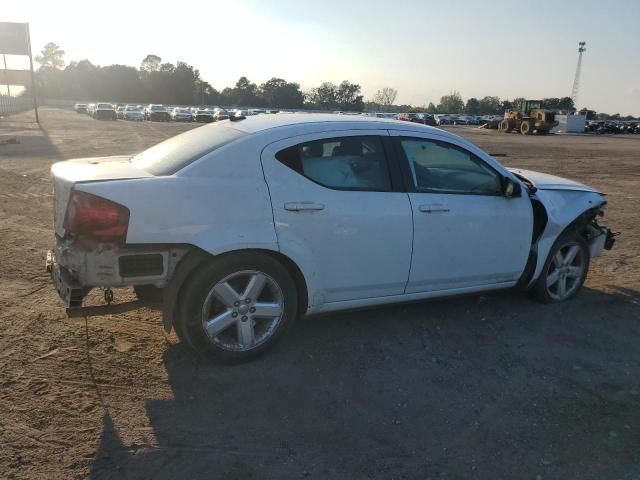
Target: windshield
(105, 105)
(132, 109)
(170, 156)
(157, 107)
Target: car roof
(260, 123)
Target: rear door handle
(435, 208)
(299, 206)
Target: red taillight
(96, 217)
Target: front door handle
(434, 208)
(299, 206)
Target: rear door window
(341, 163)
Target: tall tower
(576, 80)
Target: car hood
(544, 181)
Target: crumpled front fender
(563, 207)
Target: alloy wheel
(242, 310)
(565, 271)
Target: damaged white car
(241, 226)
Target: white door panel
(468, 240)
(349, 244)
(466, 234)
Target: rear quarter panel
(218, 204)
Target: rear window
(172, 155)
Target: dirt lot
(479, 387)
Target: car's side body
(133, 112)
(348, 248)
(157, 113)
(181, 115)
(105, 111)
(203, 116)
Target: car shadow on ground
(485, 387)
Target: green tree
(151, 63)
(431, 108)
(517, 102)
(566, 103)
(348, 97)
(385, 97)
(591, 114)
(550, 103)
(451, 103)
(277, 92)
(323, 97)
(490, 106)
(245, 93)
(81, 79)
(205, 94)
(472, 107)
(118, 83)
(51, 56)
(507, 105)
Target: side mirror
(510, 188)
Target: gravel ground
(487, 387)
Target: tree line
(156, 81)
(453, 103)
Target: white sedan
(243, 225)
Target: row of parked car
(447, 119)
(439, 119)
(161, 113)
(206, 114)
(612, 127)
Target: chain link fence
(10, 104)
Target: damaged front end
(559, 205)
(597, 236)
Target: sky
(422, 48)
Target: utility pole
(4, 57)
(576, 80)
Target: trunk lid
(71, 172)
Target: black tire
(540, 291)
(526, 128)
(504, 126)
(199, 285)
(148, 293)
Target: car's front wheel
(565, 270)
(237, 306)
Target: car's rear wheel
(565, 270)
(238, 306)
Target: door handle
(435, 208)
(299, 206)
